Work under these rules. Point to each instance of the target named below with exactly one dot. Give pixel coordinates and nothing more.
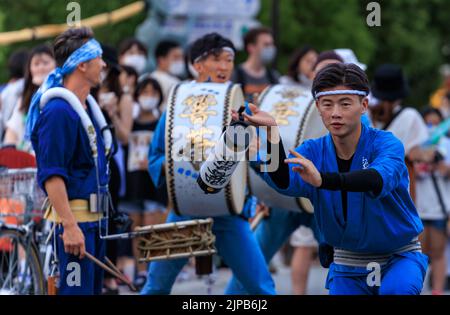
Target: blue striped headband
(340, 92)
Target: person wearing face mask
(255, 73)
(389, 88)
(170, 66)
(301, 67)
(133, 53)
(145, 204)
(40, 63)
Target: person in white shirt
(170, 66)
(433, 203)
(40, 63)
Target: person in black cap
(389, 88)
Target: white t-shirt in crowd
(410, 128)
(427, 201)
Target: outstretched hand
(306, 169)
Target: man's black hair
(164, 47)
(335, 74)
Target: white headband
(340, 92)
(229, 49)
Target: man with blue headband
(357, 180)
(71, 142)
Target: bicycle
(24, 250)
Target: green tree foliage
(325, 24)
(409, 36)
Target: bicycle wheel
(20, 268)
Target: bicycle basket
(20, 196)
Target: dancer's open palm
(305, 168)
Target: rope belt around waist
(80, 210)
(355, 259)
